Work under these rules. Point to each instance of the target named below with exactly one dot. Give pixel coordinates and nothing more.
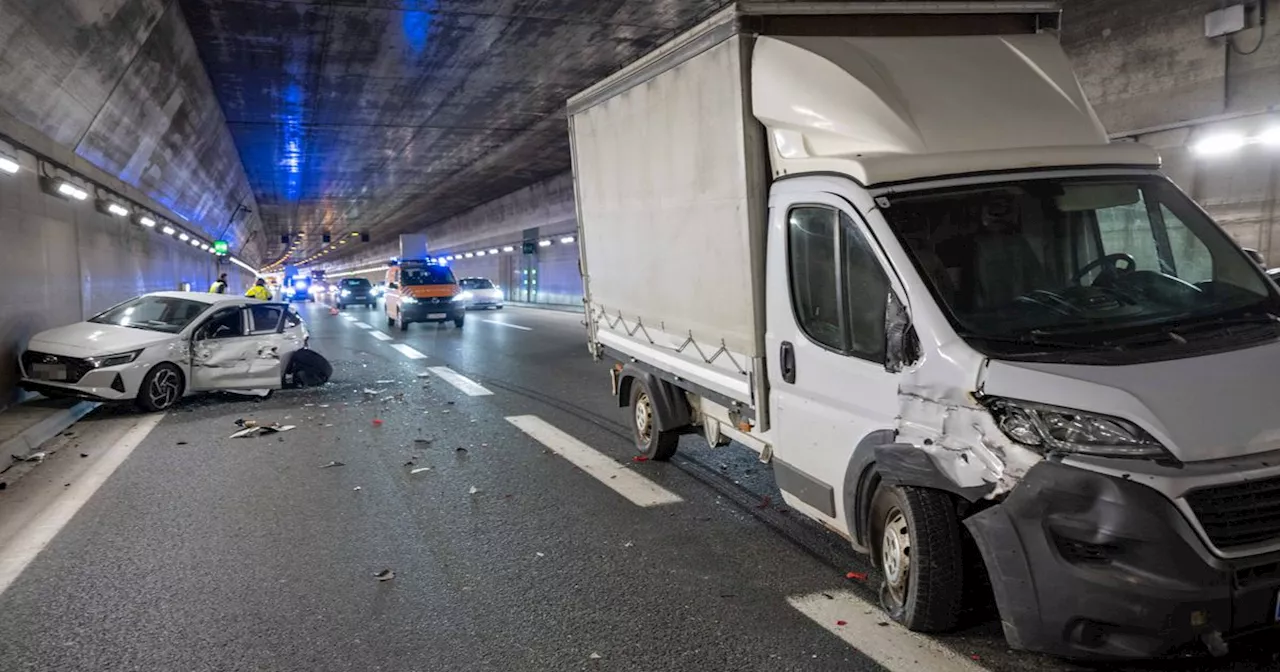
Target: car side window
(292, 319)
(838, 287)
(225, 323)
(264, 319)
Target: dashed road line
(381, 336)
(468, 386)
(636, 488)
(505, 324)
(363, 325)
(897, 649)
(407, 351)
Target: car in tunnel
(480, 293)
(157, 348)
(354, 291)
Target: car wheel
(161, 388)
(391, 321)
(404, 324)
(650, 441)
(459, 322)
(497, 307)
(916, 544)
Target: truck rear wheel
(650, 441)
(916, 543)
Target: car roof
(201, 297)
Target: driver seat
(1005, 267)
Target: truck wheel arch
(860, 481)
(670, 405)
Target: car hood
(86, 339)
(1201, 408)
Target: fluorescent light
(195, 243)
(204, 247)
(566, 240)
(544, 243)
(493, 251)
(117, 210)
(1223, 143)
(469, 255)
(509, 248)
(168, 230)
(1271, 136)
(72, 191)
(184, 237)
(147, 222)
(479, 254)
(8, 164)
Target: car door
(826, 338)
(240, 347)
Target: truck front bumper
(1085, 565)
(432, 312)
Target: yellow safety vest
(219, 287)
(258, 292)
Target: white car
(480, 293)
(157, 348)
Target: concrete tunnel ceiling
(389, 115)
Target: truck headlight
(1053, 429)
(407, 300)
(113, 360)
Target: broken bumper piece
(1089, 566)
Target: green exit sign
(220, 246)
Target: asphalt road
(531, 543)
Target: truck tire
(391, 321)
(458, 322)
(915, 541)
(650, 441)
(404, 324)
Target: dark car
(356, 291)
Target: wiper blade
(1034, 339)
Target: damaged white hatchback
(157, 348)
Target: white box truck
(889, 246)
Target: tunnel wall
(1154, 77)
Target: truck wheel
(391, 321)
(458, 322)
(652, 443)
(916, 543)
(404, 324)
(161, 388)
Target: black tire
(497, 307)
(391, 321)
(928, 596)
(404, 324)
(652, 443)
(161, 388)
(458, 322)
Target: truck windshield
(1077, 262)
(426, 275)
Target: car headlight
(408, 300)
(113, 360)
(463, 296)
(346, 292)
(1056, 430)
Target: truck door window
(866, 288)
(811, 245)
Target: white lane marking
(380, 335)
(504, 324)
(640, 490)
(893, 646)
(349, 317)
(468, 386)
(408, 351)
(27, 543)
(363, 325)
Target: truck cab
(422, 290)
(936, 326)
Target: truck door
(827, 290)
(240, 347)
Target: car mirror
(901, 346)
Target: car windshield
(355, 283)
(154, 313)
(1077, 259)
(426, 275)
(476, 283)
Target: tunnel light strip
(9, 164)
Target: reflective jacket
(258, 292)
(218, 287)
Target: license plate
(437, 316)
(49, 371)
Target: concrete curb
(33, 437)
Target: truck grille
(76, 368)
(1239, 514)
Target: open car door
(240, 348)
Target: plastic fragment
(594, 656)
(84, 454)
(377, 422)
(628, 544)
(181, 443)
(474, 490)
(541, 554)
(257, 430)
(459, 449)
(640, 458)
(423, 441)
(975, 657)
(842, 623)
(385, 575)
(33, 457)
(385, 382)
(829, 596)
(356, 489)
(419, 470)
(856, 576)
(883, 624)
(334, 463)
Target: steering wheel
(1113, 259)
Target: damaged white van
(900, 259)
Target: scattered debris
(975, 657)
(182, 443)
(257, 430)
(409, 463)
(356, 489)
(842, 623)
(334, 463)
(640, 458)
(33, 457)
(883, 624)
(423, 442)
(765, 502)
(459, 449)
(377, 422)
(474, 490)
(595, 656)
(241, 422)
(829, 596)
(541, 554)
(385, 575)
(856, 576)
(724, 467)
(385, 382)
(324, 405)
(419, 470)
(424, 374)
(451, 403)
(370, 392)
(628, 544)
(84, 454)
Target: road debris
(474, 490)
(829, 596)
(541, 554)
(595, 656)
(334, 463)
(33, 457)
(640, 458)
(84, 454)
(370, 392)
(842, 623)
(419, 470)
(459, 449)
(856, 576)
(377, 422)
(258, 430)
(629, 544)
(423, 442)
(385, 575)
(424, 374)
(241, 422)
(385, 382)
(181, 443)
(357, 489)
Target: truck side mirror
(901, 345)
